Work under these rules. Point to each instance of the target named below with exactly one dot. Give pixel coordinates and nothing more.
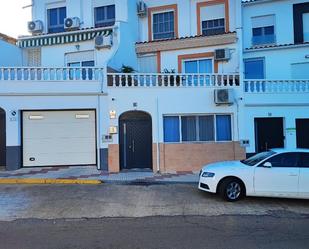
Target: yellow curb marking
(47, 181)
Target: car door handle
(293, 175)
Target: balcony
(276, 92)
(50, 74)
(276, 86)
(165, 80)
(43, 80)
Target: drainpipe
(158, 136)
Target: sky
(13, 18)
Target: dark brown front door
(302, 133)
(269, 133)
(135, 136)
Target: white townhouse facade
(276, 73)
(127, 84)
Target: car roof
(280, 150)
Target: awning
(61, 38)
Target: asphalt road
(158, 232)
(150, 216)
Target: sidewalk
(91, 173)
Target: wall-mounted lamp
(112, 114)
(77, 47)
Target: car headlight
(208, 174)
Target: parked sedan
(275, 173)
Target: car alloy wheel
(233, 190)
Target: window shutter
(213, 12)
(34, 57)
(147, 64)
(263, 21)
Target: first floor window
(263, 30)
(223, 124)
(83, 73)
(171, 129)
(198, 66)
(254, 68)
(104, 16)
(163, 25)
(197, 128)
(56, 18)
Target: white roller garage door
(54, 138)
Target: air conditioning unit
(71, 23)
(222, 54)
(35, 27)
(224, 96)
(141, 9)
(103, 41)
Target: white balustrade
(276, 86)
(171, 80)
(51, 74)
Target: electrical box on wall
(107, 138)
(244, 143)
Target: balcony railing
(276, 86)
(51, 74)
(171, 80)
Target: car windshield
(258, 158)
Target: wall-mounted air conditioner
(102, 41)
(35, 27)
(71, 23)
(222, 54)
(141, 9)
(223, 96)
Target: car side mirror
(267, 165)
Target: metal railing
(276, 86)
(51, 74)
(171, 80)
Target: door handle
(133, 145)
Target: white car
(275, 173)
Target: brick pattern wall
(113, 158)
(191, 157)
(184, 156)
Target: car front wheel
(232, 189)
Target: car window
(284, 160)
(257, 158)
(304, 160)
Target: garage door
(55, 138)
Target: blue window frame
(223, 124)
(171, 129)
(104, 16)
(163, 25)
(56, 18)
(201, 128)
(254, 68)
(263, 35)
(213, 27)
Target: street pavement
(180, 232)
(145, 215)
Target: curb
(48, 181)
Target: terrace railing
(171, 80)
(51, 74)
(276, 86)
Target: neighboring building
(10, 54)
(182, 105)
(276, 72)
